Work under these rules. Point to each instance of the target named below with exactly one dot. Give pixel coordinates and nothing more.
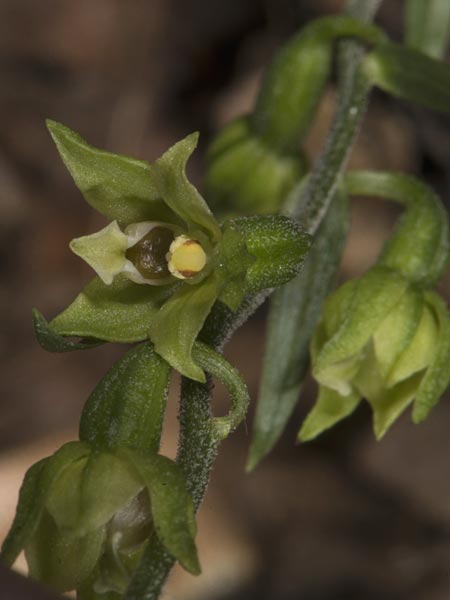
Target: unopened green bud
(245, 175)
(275, 246)
(379, 338)
(85, 516)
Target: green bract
(164, 260)
(84, 517)
(382, 338)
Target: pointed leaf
(52, 342)
(127, 406)
(117, 186)
(409, 74)
(169, 175)
(174, 328)
(119, 312)
(293, 314)
(171, 505)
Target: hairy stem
(198, 446)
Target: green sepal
(33, 495)
(437, 376)
(119, 187)
(171, 505)
(329, 409)
(52, 342)
(63, 562)
(278, 245)
(119, 312)
(169, 176)
(86, 495)
(215, 364)
(174, 328)
(294, 311)
(428, 26)
(375, 294)
(27, 514)
(396, 333)
(409, 74)
(127, 406)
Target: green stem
(353, 98)
(419, 246)
(198, 445)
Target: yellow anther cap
(186, 257)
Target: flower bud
(245, 175)
(84, 517)
(381, 338)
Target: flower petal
(62, 562)
(116, 186)
(329, 409)
(103, 250)
(174, 328)
(376, 294)
(169, 176)
(437, 376)
(119, 312)
(171, 505)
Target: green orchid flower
(382, 339)
(385, 336)
(85, 515)
(164, 260)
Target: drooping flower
(85, 515)
(164, 260)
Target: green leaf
(169, 175)
(174, 328)
(171, 505)
(49, 549)
(329, 409)
(118, 187)
(437, 376)
(215, 364)
(428, 26)
(127, 406)
(293, 314)
(409, 74)
(33, 495)
(52, 342)
(87, 494)
(119, 312)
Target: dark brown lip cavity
(149, 254)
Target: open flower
(384, 339)
(84, 517)
(164, 260)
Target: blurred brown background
(341, 518)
